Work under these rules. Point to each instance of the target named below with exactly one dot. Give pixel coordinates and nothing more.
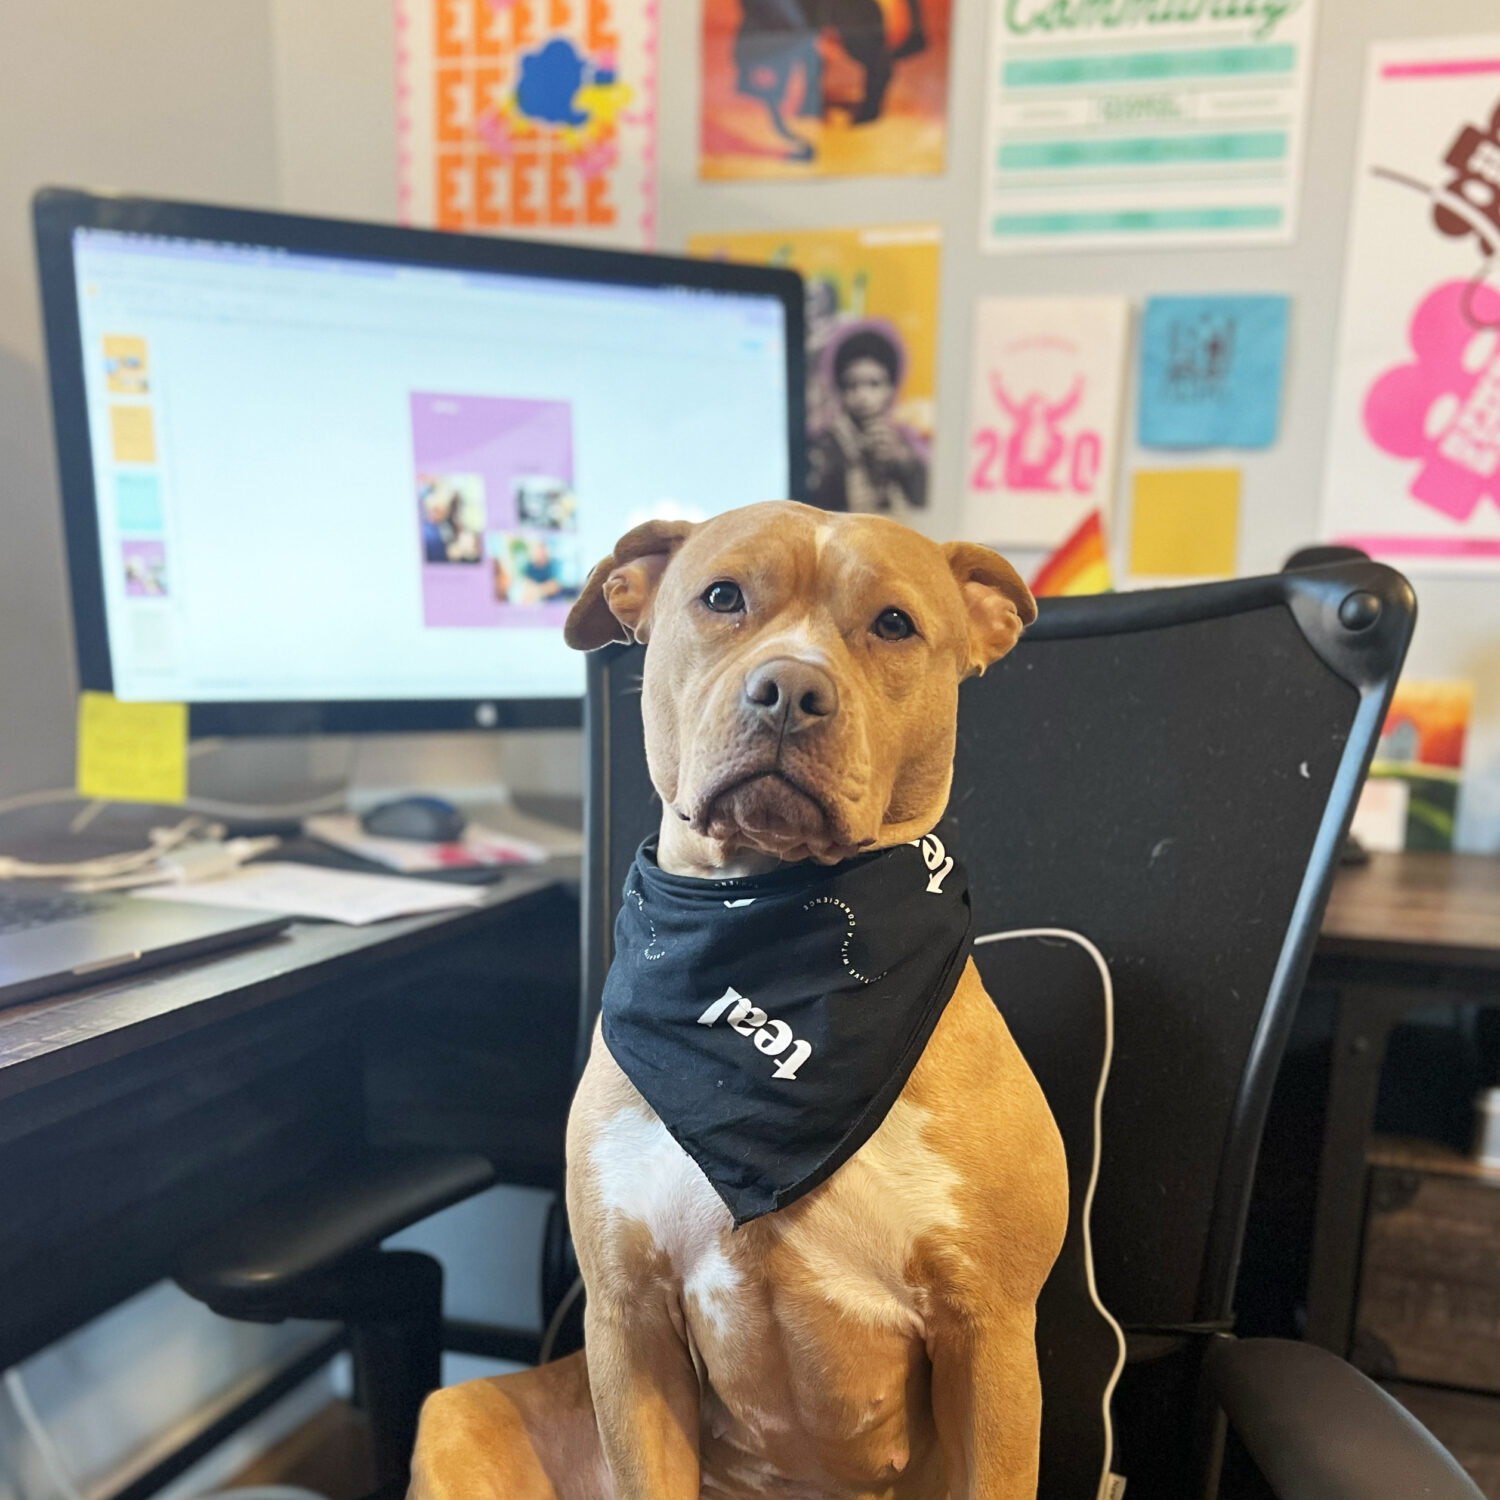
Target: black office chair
(1169, 773)
(312, 1251)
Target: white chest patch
(645, 1175)
(855, 1234)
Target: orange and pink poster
(533, 117)
(799, 88)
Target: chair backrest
(1172, 774)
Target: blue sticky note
(137, 501)
(1211, 371)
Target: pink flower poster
(530, 117)
(1413, 471)
(1044, 423)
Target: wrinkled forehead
(816, 553)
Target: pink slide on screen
(495, 516)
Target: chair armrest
(1319, 1430)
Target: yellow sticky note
(133, 438)
(1184, 523)
(131, 752)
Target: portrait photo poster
(1413, 472)
(1044, 417)
(872, 307)
(1144, 125)
(797, 88)
(531, 118)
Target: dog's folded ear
(615, 603)
(997, 602)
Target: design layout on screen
(323, 479)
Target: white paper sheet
(1414, 439)
(1125, 123)
(333, 895)
(1044, 416)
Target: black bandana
(772, 1021)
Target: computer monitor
(328, 477)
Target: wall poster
(528, 117)
(1211, 372)
(1414, 441)
(1044, 416)
(1124, 123)
(872, 308)
(809, 88)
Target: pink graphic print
(1036, 442)
(1027, 458)
(1445, 407)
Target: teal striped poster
(1124, 123)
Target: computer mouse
(427, 820)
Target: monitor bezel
(58, 212)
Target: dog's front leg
(645, 1396)
(987, 1402)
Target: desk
(134, 1116)
(1403, 932)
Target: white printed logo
(770, 1036)
(938, 861)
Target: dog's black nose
(790, 695)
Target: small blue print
(1212, 371)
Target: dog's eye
(893, 625)
(724, 598)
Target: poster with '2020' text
(1044, 416)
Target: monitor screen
(332, 478)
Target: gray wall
(163, 96)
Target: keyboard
(20, 910)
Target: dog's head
(801, 685)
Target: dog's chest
(807, 1326)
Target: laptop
(59, 940)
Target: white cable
(52, 794)
(1068, 936)
(39, 799)
(111, 866)
(46, 1449)
(554, 1327)
(212, 807)
(86, 815)
(106, 865)
(272, 811)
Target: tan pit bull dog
(875, 1338)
